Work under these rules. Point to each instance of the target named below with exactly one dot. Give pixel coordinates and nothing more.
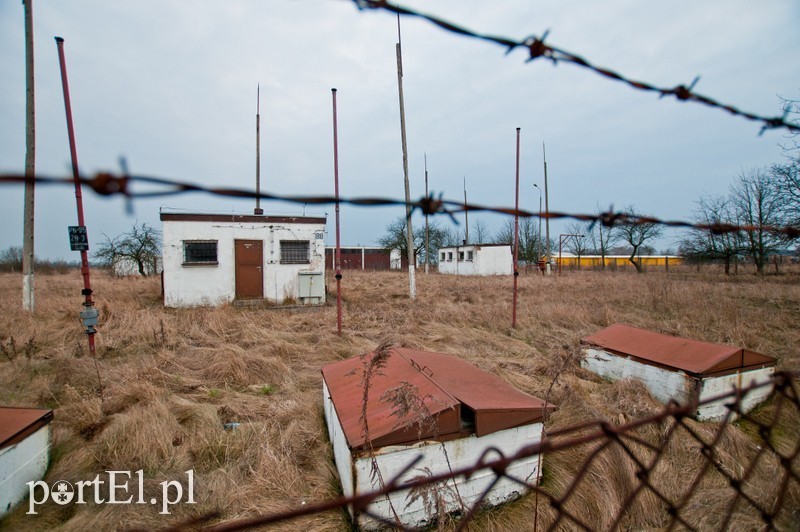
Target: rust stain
(692, 356)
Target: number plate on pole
(78, 241)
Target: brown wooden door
(249, 269)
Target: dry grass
(172, 378)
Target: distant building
(570, 260)
(476, 259)
(212, 259)
(365, 258)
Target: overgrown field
(172, 378)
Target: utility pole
(30, 165)
(412, 286)
(546, 213)
(427, 233)
(516, 241)
(338, 256)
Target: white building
(466, 411)
(24, 452)
(212, 259)
(477, 259)
(678, 368)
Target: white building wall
(197, 285)
(22, 463)
(458, 494)
(341, 451)
(486, 260)
(665, 384)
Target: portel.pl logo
(113, 491)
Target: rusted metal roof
(460, 398)
(692, 356)
(16, 424)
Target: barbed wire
(537, 48)
(108, 184)
(643, 454)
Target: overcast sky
(171, 86)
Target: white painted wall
(665, 384)
(486, 260)
(461, 453)
(198, 285)
(22, 463)
(341, 451)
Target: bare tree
(395, 238)
(530, 243)
(480, 231)
(140, 247)
(707, 246)
(577, 245)
(760, 203)
(603, 238)
(11, 259)
(636, 233)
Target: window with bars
(200, 252)
(295, 252)
(444, 256)
(469, 255)
(460, 255)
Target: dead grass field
(172, 378)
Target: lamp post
(561, 239)
(539, 234)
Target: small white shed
(211, 259)
(477, 259)
(465, 412)
(678, 368)
(24, 451)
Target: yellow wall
(619, 261)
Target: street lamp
(561, 239)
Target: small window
(449, 256)
(461, 256)
(294, 252)
(469, 256)
(200, 252)
(444, 256)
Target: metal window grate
(295, 252)
(200, 252)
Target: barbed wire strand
(606, 434)
(537, 48)
(108, 184)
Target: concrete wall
(197, 285)
(486, 260)
(22, 463)
(665, 384)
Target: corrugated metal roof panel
(692, 356)
(446, 384)
(16, 424)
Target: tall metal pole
(412, 287)
(466, 214)
(546, 212)
(89, 313)
(427, 232)
(338, 256)
(30, 165)
(516, 242)
(539, 233)
(258, 209)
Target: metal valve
(89, 317)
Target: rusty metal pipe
(516, 242)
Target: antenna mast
(412, 286)
(258, 209)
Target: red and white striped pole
(338, 257)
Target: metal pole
(516, 242)
(427, 232)
(258, 209)
(546, 211)
(466, 214)
(539, 234)
(412, 287)
(89, 314)
(30, 165)
(338, 256)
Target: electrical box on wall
(311, 287)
